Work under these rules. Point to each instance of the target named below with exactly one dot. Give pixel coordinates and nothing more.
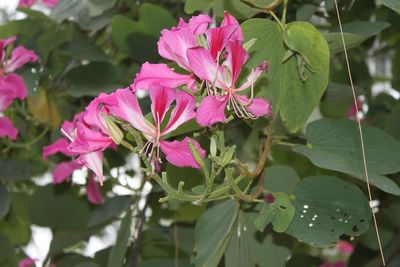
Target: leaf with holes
(326, 208)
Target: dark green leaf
(4, 201)
(326, 208)
(110, 210)
(392, 4)
(335, 145)
(58, 211)
(14, 170)
(213, 231)
(354, 34)
(91, 79)
(280, 178)
(197, 5)
(117, 254)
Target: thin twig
(361, 134)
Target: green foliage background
(92, 46)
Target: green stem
(285, 3)
(276, 19)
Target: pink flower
(7, 129)
(93, 192)
(345, 247)
(12, 86)
(174, 45)
(27, 262)
(26, 3)
(224, 77)
(50, 3)
(64, 170)
(176, 152)
(59, 146)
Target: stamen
(67, 135)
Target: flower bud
(196, 155)
(113, 130)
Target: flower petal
(19, 57)
(212, 110)
(230, 20)
(11, 86)
(178, 152)
(183, 111)
(252, 78)
(218, 38)
(258, 107)
(59, 146)
(173, 45)
(27, 262)
(204, 66)
(3, 44)
(237, 56)
(163, 75)
(161, 100)
(50, 3)
(88, 140)
(94, 162)
(93, 192)
(7, 129)
(128, 109)
(197, 24)
(64, 170)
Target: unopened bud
(113, 130)
(196, 155)
(269, 198)
(264, 66)
(213, 146)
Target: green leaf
(280, 178)
(238, 252)
(14, 170)
(110, 210)
(7, 255)
(66, 239)
(83, 49)
(80, 10)
(268, 248)
(263, 219)
(93, 78)
(4, 201)
(335, 145)
(268, 46)
(117, 254)
(29, 27)
(139, 38)
(326, 208)
(236, 8)
(58, 211)
(280, 213)
(306, 73)
(355, 33)
(392, 4)
(197, 5)
(16, 226)
(213, 231)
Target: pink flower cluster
(211, 57)
(29, 3)
(12, 85)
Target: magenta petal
(230, 20)
(183, 111)
(3, 44)
(218, 38)
(50, 3)
(174, 44)
(64, 170)
(26, 3)
(93, 192)
(88, 140)
(11, 86)
(212, 110)
(27, 262)
(128, 109)
(7, 129)
(258, 107)
(197, 24)
(237, 56)
(163, 75)
(178, 152)
(94, 162)
(204, 66)
(59, 146)
(161, 100)
(19, 57)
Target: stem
(285, 3)
(276, 19)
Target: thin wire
(361, 135)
